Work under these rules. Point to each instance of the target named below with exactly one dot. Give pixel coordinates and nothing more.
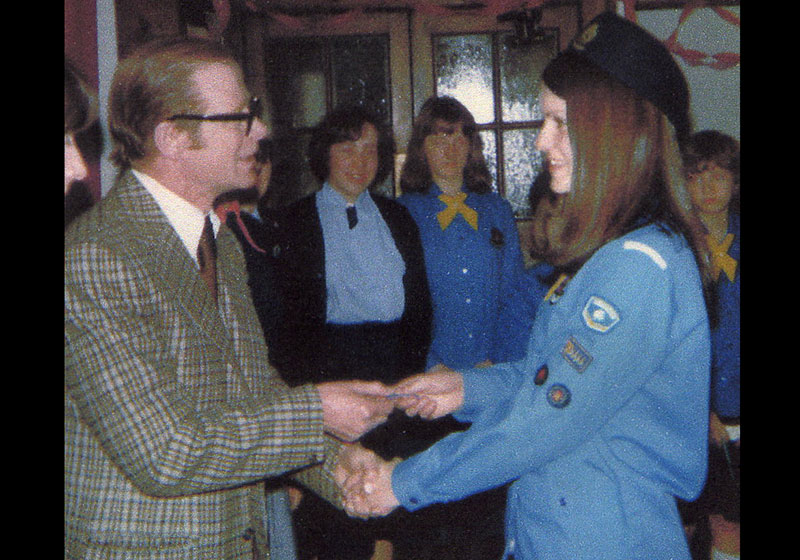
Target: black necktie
(207, 257)
(352, 219)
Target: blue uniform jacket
(474, 278)
(601, 424)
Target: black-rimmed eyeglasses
(253, 112)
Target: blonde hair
(152, 84)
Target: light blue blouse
(363, 268)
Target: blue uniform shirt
(472, 276)
(725, 376)
(363, 268)
(602, 423)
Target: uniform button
(464, 270)
(469, 335)
(248, 534)
(469, 300)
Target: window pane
(291, 175)
(520, 70)
(464, 70)
(361, 72)
(523, 163)
(490, 153)
(296, 82)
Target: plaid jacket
(173, 416)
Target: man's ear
(170, 140)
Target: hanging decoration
(222, 12)
(491, 8)
(719, 61)
(494, 8)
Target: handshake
(365, 481)
(352, 408)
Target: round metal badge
(558, 395)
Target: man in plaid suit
(173, 416)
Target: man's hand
(352, 464)
(352, 408)
(367, 489)
(430, 395)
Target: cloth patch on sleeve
(647, 250)
(576, 355)
(599, 315)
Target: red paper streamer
(491, 8)
(719, 61)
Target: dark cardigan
(306, 349)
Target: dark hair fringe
(344, 124)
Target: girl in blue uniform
(474, 264)
(711, 159)
(470, 239)
(604, 422)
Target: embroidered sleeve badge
(599, 315)
(576, 355)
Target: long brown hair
(627, 171)
(713, 146)
(416, 173)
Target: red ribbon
(233, 207)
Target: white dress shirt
(186, 219)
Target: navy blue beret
(638, 60)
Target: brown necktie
(207, 257)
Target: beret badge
(587, 36)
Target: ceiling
(327, 5)
(324, 5)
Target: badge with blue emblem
(599, 315)
(558, 395)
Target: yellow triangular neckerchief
(721, 261)
(455, 205)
